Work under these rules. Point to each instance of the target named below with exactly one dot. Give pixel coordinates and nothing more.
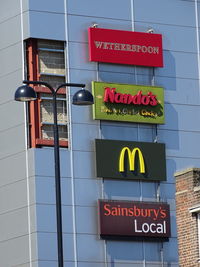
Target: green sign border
(125, 112)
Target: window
(198, 225)
(195, 239)
(46, 62)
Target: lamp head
(25, 93)
(83, 98)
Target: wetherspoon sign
(130, 219)
(125, 47)
(128, 103)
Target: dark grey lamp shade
(25, 93)
(83, 98)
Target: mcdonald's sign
(130, 160)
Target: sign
(125, 47)
(130, 219)
(130, 160)
(128, 103)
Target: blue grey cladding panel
(46, 218)
(116, 132)
(198, 9)
(179, 90)
(46, 25)
(127, 133)
(78, 26)
(124, 190)
(93, 251)
(85, 164)
(117, 68)
(87, 220)
(148, 191)
(84, 135)
(182, 117)
(165, 12)
(116, 9)
(91, 264)
(44, 162)
(45, 190)
(124, 251)
(171, 250)
(173, 223)
(117, 77)
(167, 191)
(47, 5)
(152, 251)
(175, 38)
(180, 143)
(81, 76)
(179, 64)
(87, 192)
(79, 57)
(47, 246)
(42, 263)
(83, 114)
(130, 252)
(175, 164)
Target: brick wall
(187, 197)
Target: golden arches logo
(131, 158)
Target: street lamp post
(82, 97)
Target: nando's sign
(131, 220)
(130, 103)
(130, 160)
(125, 47)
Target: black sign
(130, 160)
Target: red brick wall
(187, 196)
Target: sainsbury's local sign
(130, 219)
(125, 47)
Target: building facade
(48, 40)
(187, 200)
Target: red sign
(130, 219)
(125, 47)
(112, 96)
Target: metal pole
(58, 185)
(57, 164)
